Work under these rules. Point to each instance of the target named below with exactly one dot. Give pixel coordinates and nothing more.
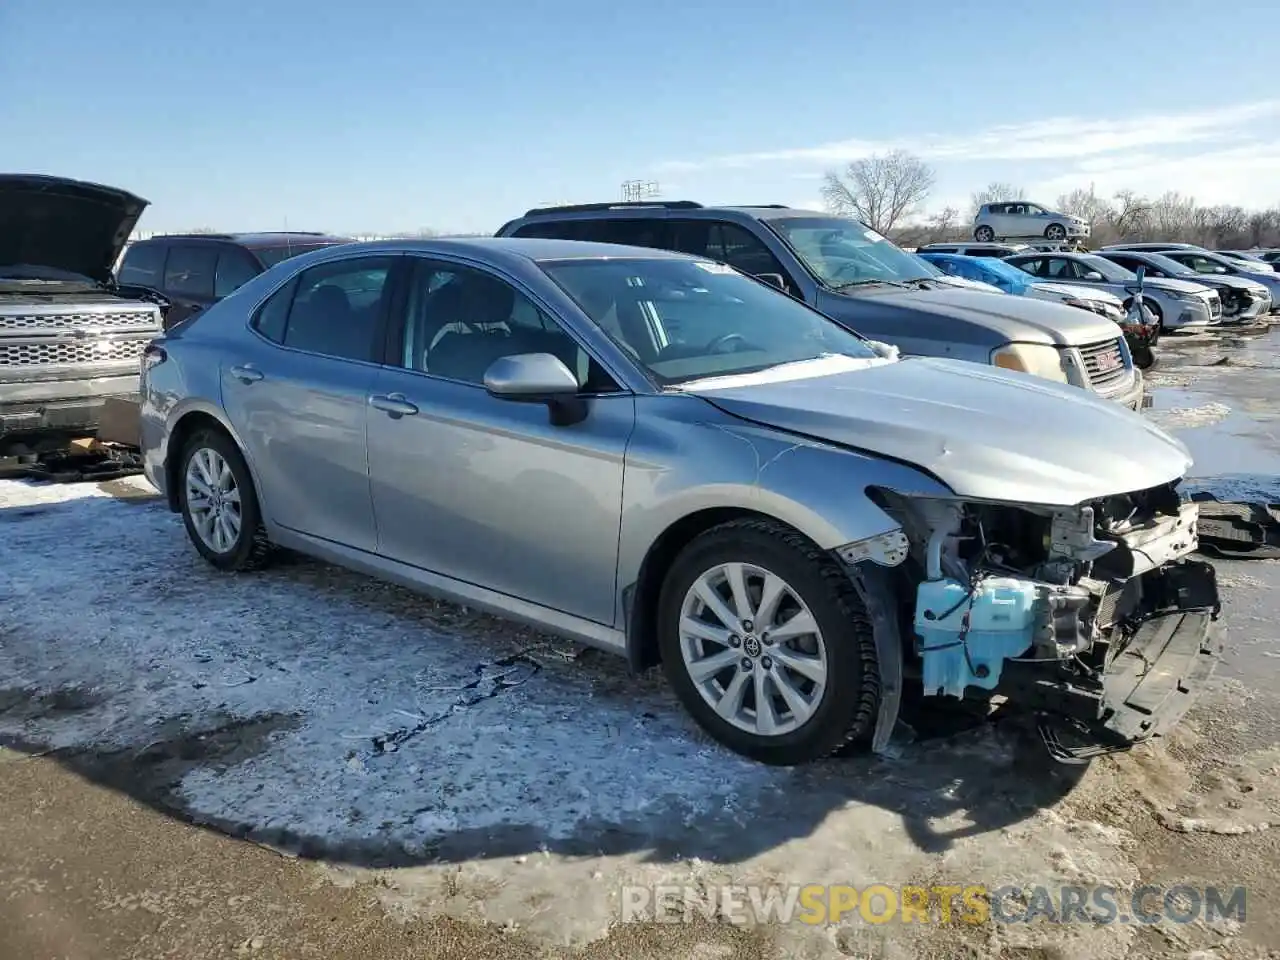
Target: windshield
(841, 252)
(270, 256)
(1165, 264)
(1109, 269)
(686, 320)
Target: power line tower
(636, 191)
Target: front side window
(331, 309)
(842, 252)
(460, 320)
(684, 320)
(189, 271)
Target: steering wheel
(846, 267)
(725, 338)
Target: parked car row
(1183, 286)
(659, 430)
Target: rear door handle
(393, 404)
(246, 374)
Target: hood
(1227, 283)
(65, 224)
(1164, 283)
(1017, 319)
(1078, 291)
(986, 433)
(967, 284)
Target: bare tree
(1172, 214)
(994, 192)
(943, 225)
(879, 190)
(1087, 205)
(1133, 214)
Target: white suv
(1020, 218)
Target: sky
(392, 115)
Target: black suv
(193, 270)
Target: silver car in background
(1242, 298)
(653, 454)
(1018, 219)
(1176, 304)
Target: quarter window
(189, 271)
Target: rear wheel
(984, 234)
(218, 503)
(768, 644)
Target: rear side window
(547, 230)
(190, 270)
(143, 266)
(331, 309)
(631, 232)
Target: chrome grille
(1104, 363)
(33, 353)
(35, 322)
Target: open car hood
(986, 433)
(65, 224)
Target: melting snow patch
(1187, 417)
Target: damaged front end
(1093, 616)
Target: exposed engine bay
(1093, 613)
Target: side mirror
(537, 378)
(1219, 269)
(773, 279)
(1093, 276)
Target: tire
(984, 234)
(1055, 233)
(844, 711)
(249, 548)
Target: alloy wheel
(213, 500)
(753, 649)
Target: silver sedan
(653, 454)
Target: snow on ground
(495, 770)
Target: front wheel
(219, 506)
(1055, 233)
(768, 644)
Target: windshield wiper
(920, 282)
(837, 287)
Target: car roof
(254, 239)
(604, 211)
(537, 249)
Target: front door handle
(246, 374)
(393, 404)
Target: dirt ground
(306, 763)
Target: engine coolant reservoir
(1002, 623)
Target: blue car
(1140, 331)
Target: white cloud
(1060, 138)
(1248, 175)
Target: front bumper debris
(1149, 680)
